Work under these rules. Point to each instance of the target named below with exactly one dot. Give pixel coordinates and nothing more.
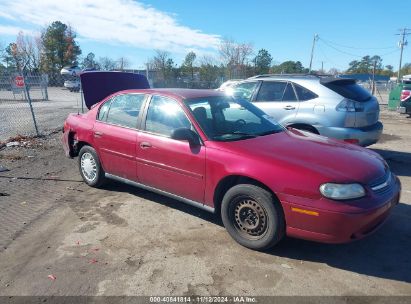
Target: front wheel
(90, 167)
(252, 216)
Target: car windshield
(224, 119)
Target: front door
(165, 163)
(115, 134)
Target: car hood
(306, 152)
(97, 85)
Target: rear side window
(124, 110)
(348, 89)
(102, 113)
(303, 93)
(276, 91)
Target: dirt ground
(61, 237)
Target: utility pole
(404, 32)
(374, 68)
(312, 51)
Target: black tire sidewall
(275, 217)
(100, 172)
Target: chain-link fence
(34, 104)
(37, 103)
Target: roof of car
(312, 77)
(180, 93)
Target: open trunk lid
(97, 85)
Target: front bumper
(366, 135)
(338, 227)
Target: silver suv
(329, 106)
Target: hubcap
(250, 218)
(88, 167)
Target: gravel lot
(124, 241)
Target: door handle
(289, 108)
(98, 134)
(145, 145)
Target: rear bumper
(404, 107)
(366, 136)
(65, 140)
(338, 227)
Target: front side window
(244, 90)
(222, 118)
(124, 110)
(276, 91)
(164, 115)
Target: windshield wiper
(270, 132)
(242, 134)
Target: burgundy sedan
(206, 149)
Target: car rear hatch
(365, 105)
(98, 85)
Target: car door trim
(116, 153)
(169, 168)
(161, 192)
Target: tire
(252, 216)
(90, 167)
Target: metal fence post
(82, 98)
(31, 106)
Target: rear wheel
(90, 167)
(252, 216)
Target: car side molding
(161, 192)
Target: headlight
(342, 191)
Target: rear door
(165, 163)
(278, 99)
(115, 134)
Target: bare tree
(160, 62)
(123, 63)
(333, 71)
(106, 64)
(235, 56)
(27, 51)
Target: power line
(357, 48)
(331, 61)
(338, 50)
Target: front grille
(382, 184)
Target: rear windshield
(349, 89)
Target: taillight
(352, 141)
(348, 105)
(405, 94)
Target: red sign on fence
(19, 81)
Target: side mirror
(186, 134)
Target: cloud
(115, 21)
(12, 30)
